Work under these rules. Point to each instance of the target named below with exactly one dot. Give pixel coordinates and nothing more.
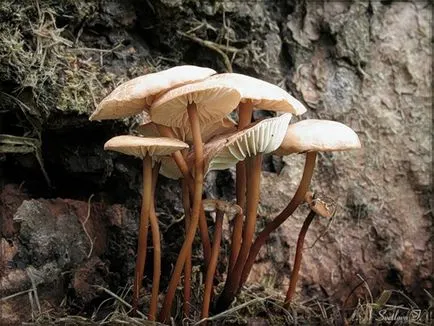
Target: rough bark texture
(367, 64)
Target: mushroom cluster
(187, 132)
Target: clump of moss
(44, 63)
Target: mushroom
(307, 136)
(263, 95)
(145, 148)
(137, 95)
(171, 170)
(226, 150)
(221, 208)
(149, 128)
(262, 137)
(319, 205)
(169, 167)
(226, 125)
(200, 103)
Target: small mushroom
(319, 205)
(200, 103)
(314, 135)
(221, 208)
(225, 151)
(261, 137)
(172, 170)
(307, 136)
(137, 95)
(168, 168)
(145, 148)
(255, 93)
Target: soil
(367, 64)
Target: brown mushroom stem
(183, 167)
(253, 165)
(245, 111)
(279, 219)
(297, 259)
(197, 205)
(213, 263)
(238, 220)
(187, 266)
(143, 230)
(204, 235)
(156, 242)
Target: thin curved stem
(143, 230)
(253, 191)
(245, 111)
(183, 167)
(204, 236)
(187, 266)
(213, 263)
(238, 220)
(197, 205)
(156, 242)
(279, 219)
(297, 259)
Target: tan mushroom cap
(263, 137)
(223, 126)
(230, 209)
(148, 129)
(168, 168)
(264, 95)
(321, 204)
(137, 94)
(318, 136)
(213, 102)
(142, 146)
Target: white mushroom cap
(213, 102)
(137, 94)
(142, 146)
(223, 126)
(168, 167)
(264, 137)
(318, 135)
(264, 95)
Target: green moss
(51, 63)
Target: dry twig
(215, 47)
(83, 224)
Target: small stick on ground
(126, 304)
(84, 226)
